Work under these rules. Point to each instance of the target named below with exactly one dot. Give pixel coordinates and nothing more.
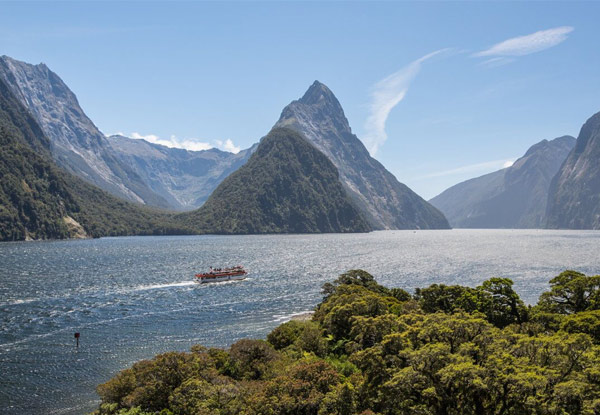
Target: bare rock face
(574, 199)
(514, 197)
(184, 178)
(76, 143)
(385, 202)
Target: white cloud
(525, 45)
(192, 144)
(385, 95)
(471, 168)
(498, 61)
(228, 146)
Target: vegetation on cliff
(372, 350)
(287, 186)
(38, 200)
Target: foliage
(368, 351)
(287, 186)
(37, 198)
(572, 292)
(495, 298)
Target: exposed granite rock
(574, 199)
(76, 143)
(387, 203)
(514, 197)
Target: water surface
(131, 298)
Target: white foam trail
(20, 301)
(159, 286)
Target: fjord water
(131, 298)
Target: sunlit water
(131, 298)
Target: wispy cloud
(528, 44)
(385, 95)
(471, 168)
(192, 144)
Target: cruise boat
(222, 274)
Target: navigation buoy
(77, 339)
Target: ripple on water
(131, 298)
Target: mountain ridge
(287, 186)
(184, 178)
(574, 196)
(387, 203)
(513, 197)
(76, 143)
(38, 200)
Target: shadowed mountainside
(514, 197)
(574, 199)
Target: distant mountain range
(185, 179)
(574, 196)
(287, 186)
(309, 174)
(291, 186)
(386, 203)
(514, 197)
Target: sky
(439, 92)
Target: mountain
(76, 143)
(183, 178)
(287, 186)
(385, 202)
(574, 199)
(38, 200)
(514, 197)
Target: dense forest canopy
(447, 350)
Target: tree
(502, 305)
(572, 292)
(448, 298)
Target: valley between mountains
(63, 178)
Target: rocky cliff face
(287, 186)
(38, 200)
(514, 197)
(76, 144)
(184, 178)
(387, 203)
(574, 199)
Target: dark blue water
(131, 298)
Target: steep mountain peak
(590, 129)
(387, 203)
(317, 92)
(566, 142)
(574, 197)
(318, 107)
(286, 186)
(76, 143)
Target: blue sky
(468, 96)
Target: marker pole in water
(77, 339)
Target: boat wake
(168, 285)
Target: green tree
(572, 292)
(502, 305)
